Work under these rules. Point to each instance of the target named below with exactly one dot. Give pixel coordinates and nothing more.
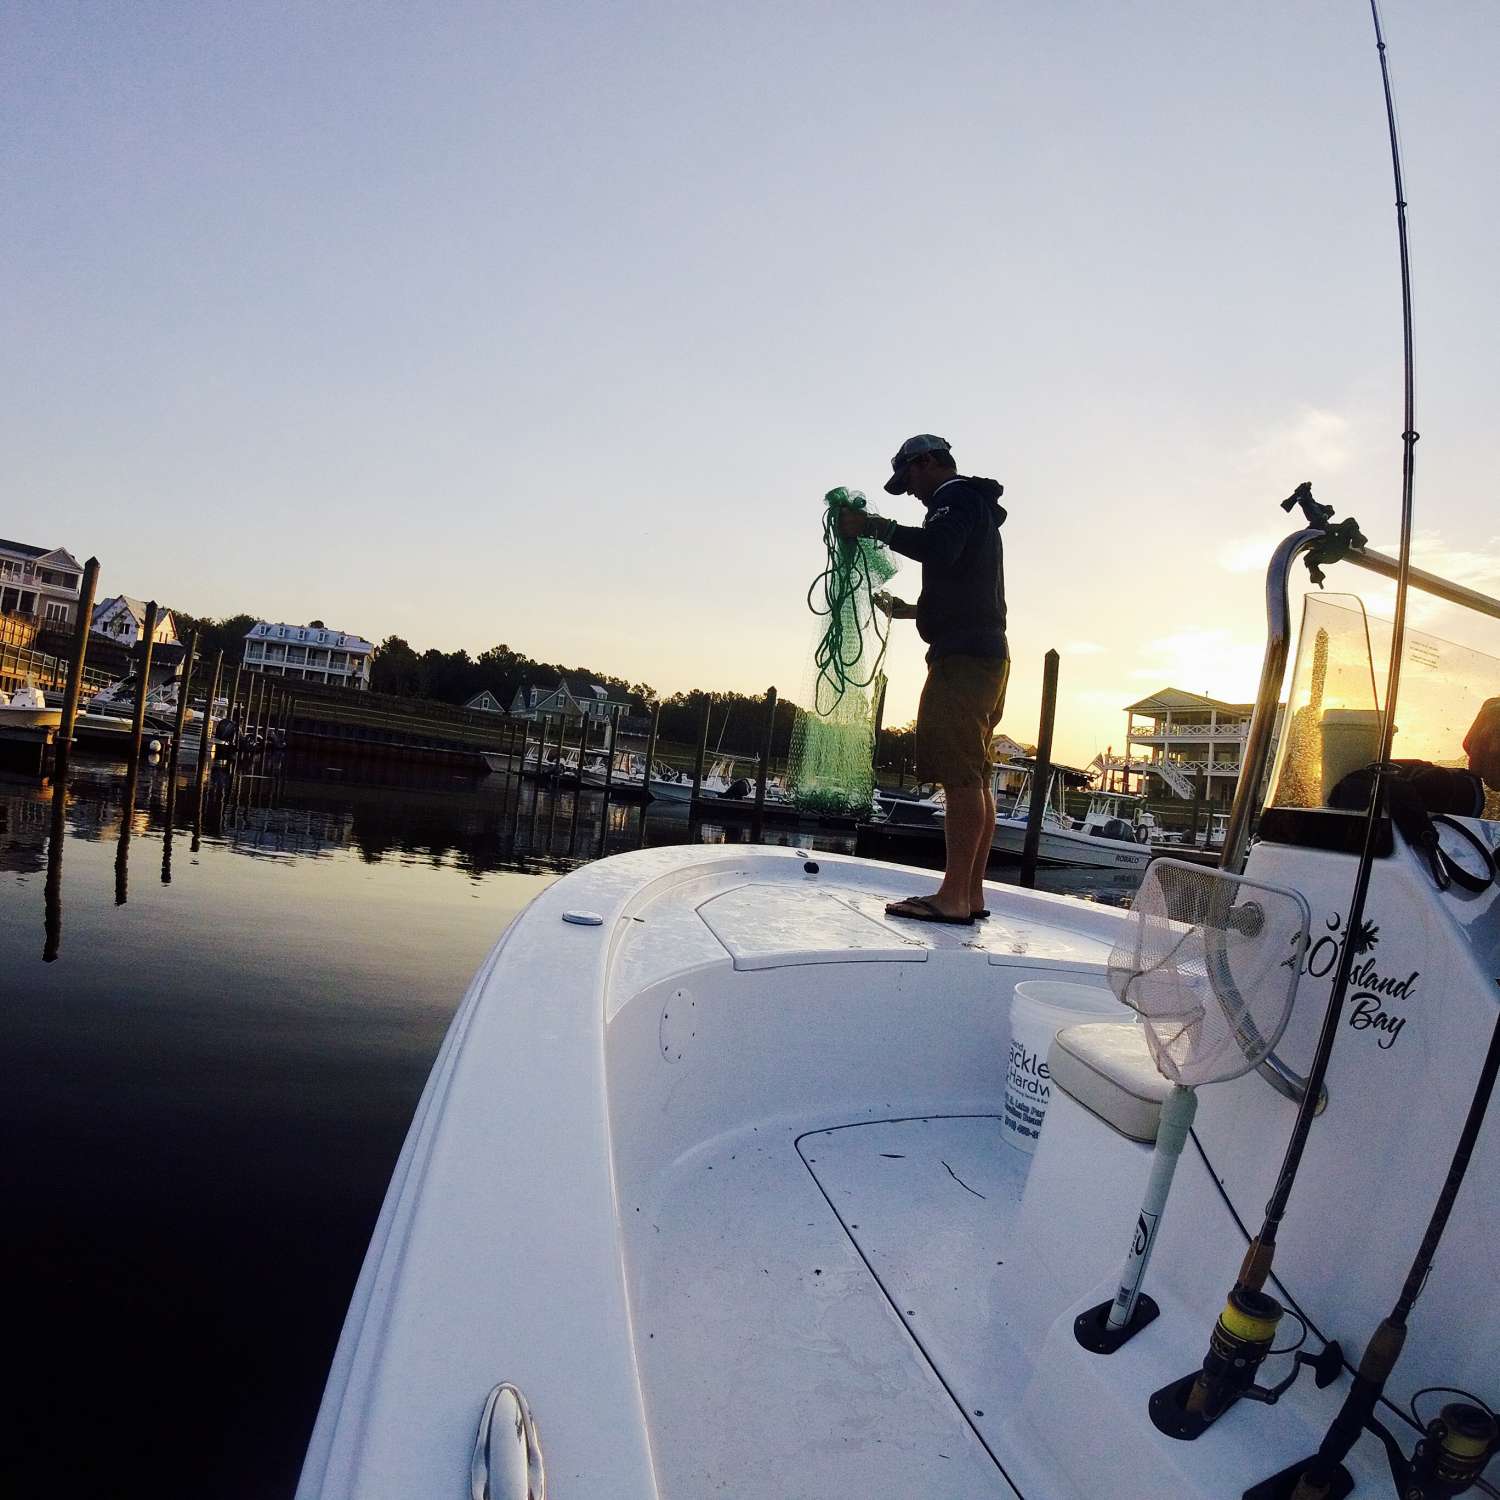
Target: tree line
(737, 721)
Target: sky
(550, 325)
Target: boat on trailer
(710, 1192)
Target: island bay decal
(1377, 1000)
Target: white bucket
(1351, 740)
(1041, 1008)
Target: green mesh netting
(832, 761)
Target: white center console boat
(709, 1191)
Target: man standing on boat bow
(960, 613)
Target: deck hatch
(775, 926)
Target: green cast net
(832, 767)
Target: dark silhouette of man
(960, 613)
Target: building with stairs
(1187, 743)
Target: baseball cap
(913, 447)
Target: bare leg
(982, 852)
(964, 828)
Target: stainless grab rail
(507, 1461)
(1263, 721)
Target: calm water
(213, 1041)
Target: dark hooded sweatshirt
(961, 609)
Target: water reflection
(23, 823)
(209, 1085)
(52, 894)
(286, 812)
(127, 820)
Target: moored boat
(1106, 841)
(27, 708)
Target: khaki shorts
(961, 705)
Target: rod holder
(1092, 1330)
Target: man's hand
(857, 523)
(894, 608)
(1483, 744)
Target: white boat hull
(29, 718)
(1065, 846)
(710, 1166)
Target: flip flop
(980, 913)
(920, 909)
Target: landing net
(1210, 962)
(832, 756)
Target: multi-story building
(123, 621)
(40, 584)
(1187, 736)
(313, 653)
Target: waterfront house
(122, 621)
(310, 653)
(1184, 737)
(485, 703)
(39, 584)
(592, 702)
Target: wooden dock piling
(510, 796)
(646, 773)
(763, 771)
(583, 751)
(234, 696)
(183, 687)
(557, 764)
(1041, 773)
(143, 684)
(204, 736)
(252, 680)
(708, 708)
(609, 777)
(74, 692)
(174, 755)
(536, 783)
(562, 733)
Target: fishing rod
(1461, 1440)
(1246, 1328)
